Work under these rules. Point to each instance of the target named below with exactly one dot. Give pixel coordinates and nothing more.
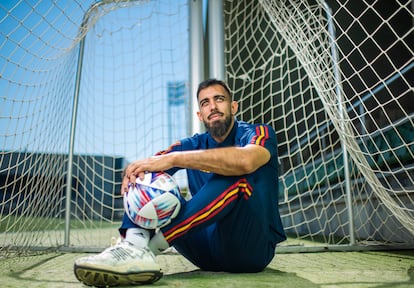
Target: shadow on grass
(268, 278)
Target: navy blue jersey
(264, 180)
(241, 135)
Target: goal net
(89, 86)
(335, 79)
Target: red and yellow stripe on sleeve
(262, 134)
(169, 149)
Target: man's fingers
(131, 173)
(132, 178)
(141, 175)
(124, 186)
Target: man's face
(216, 111)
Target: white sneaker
(122, 264)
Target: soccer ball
(152, 203)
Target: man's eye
(220, 98)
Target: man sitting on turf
(232, 221)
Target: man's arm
(228, 161)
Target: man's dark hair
(211, 82)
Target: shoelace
(120, 253)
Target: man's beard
(219, 128)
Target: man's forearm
(228, 161)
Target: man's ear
(199, 116)
(234, 107)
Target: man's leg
(223, 227)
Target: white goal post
(88, 86)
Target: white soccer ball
(153, 202)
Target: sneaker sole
(102, 278)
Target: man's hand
(137, 169)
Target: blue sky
(124, 79)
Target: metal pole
(337, 75)
(69, 175)
(216, 39)
(72, 142)
(196, 59)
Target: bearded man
(231, 223)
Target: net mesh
(335, 80)
(132, 64)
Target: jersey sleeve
(265, 136)
(185, 144)
(182, 145)
(174, 147)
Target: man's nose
(213, 105)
